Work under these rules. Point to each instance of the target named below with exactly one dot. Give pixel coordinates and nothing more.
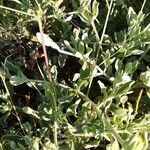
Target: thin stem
(107, 3)
(17, 11)
(138, 101)
(55, 117)
(104, 29)
(99, 40)
(143, 5)
(116, 135)
(55, 122)
(43, 43)
(55, 112)
(39, 19)
(44, 46)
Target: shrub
(74, 74)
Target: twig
(17, 11)
(138, 101)
(44, 46)
(143, 5)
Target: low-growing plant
(74, 75)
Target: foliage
(74, 75)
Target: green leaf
(11, 67)
(119, 37)
(102, 87)
(85, 73)
(67, 44)
(45, 111)
(124, 89)
(84, 12)
(54, 72)
(82, 84)
(145, 77)
(86, 17)
(131, 17)
(72, 110)
(131, 67)
(95, 9)
(11, 137)
(49, 91)
(27, 127)
(81, 47)
(30, 111)
(18, 80)
(114, 145)
(138, 141)
(5, 107)
(137, 52)
(118, 65)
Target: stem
(17, 11)
(116, 135)
(39, 16)
(138, 101)
(44, 47)
(104, 30)
(55, 123)
(143, 5)
(107, 3)
(99, 40)
(49, 77)
(55, 113)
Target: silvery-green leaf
(47, 41)
(137, 52)
(78, 55)
(95, 9)
(126, 78)
(18, 80)
(138, 141)
(30, 111)
(69, 18)
(145, 77)
(118, 65)
(67, 44)
(76, 77)
(113, 145)
(17, 1)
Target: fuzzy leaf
(30, 111)
(17, 80)
(47, 41)
(95, 9)
(145, 77)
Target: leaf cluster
(74, 75)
